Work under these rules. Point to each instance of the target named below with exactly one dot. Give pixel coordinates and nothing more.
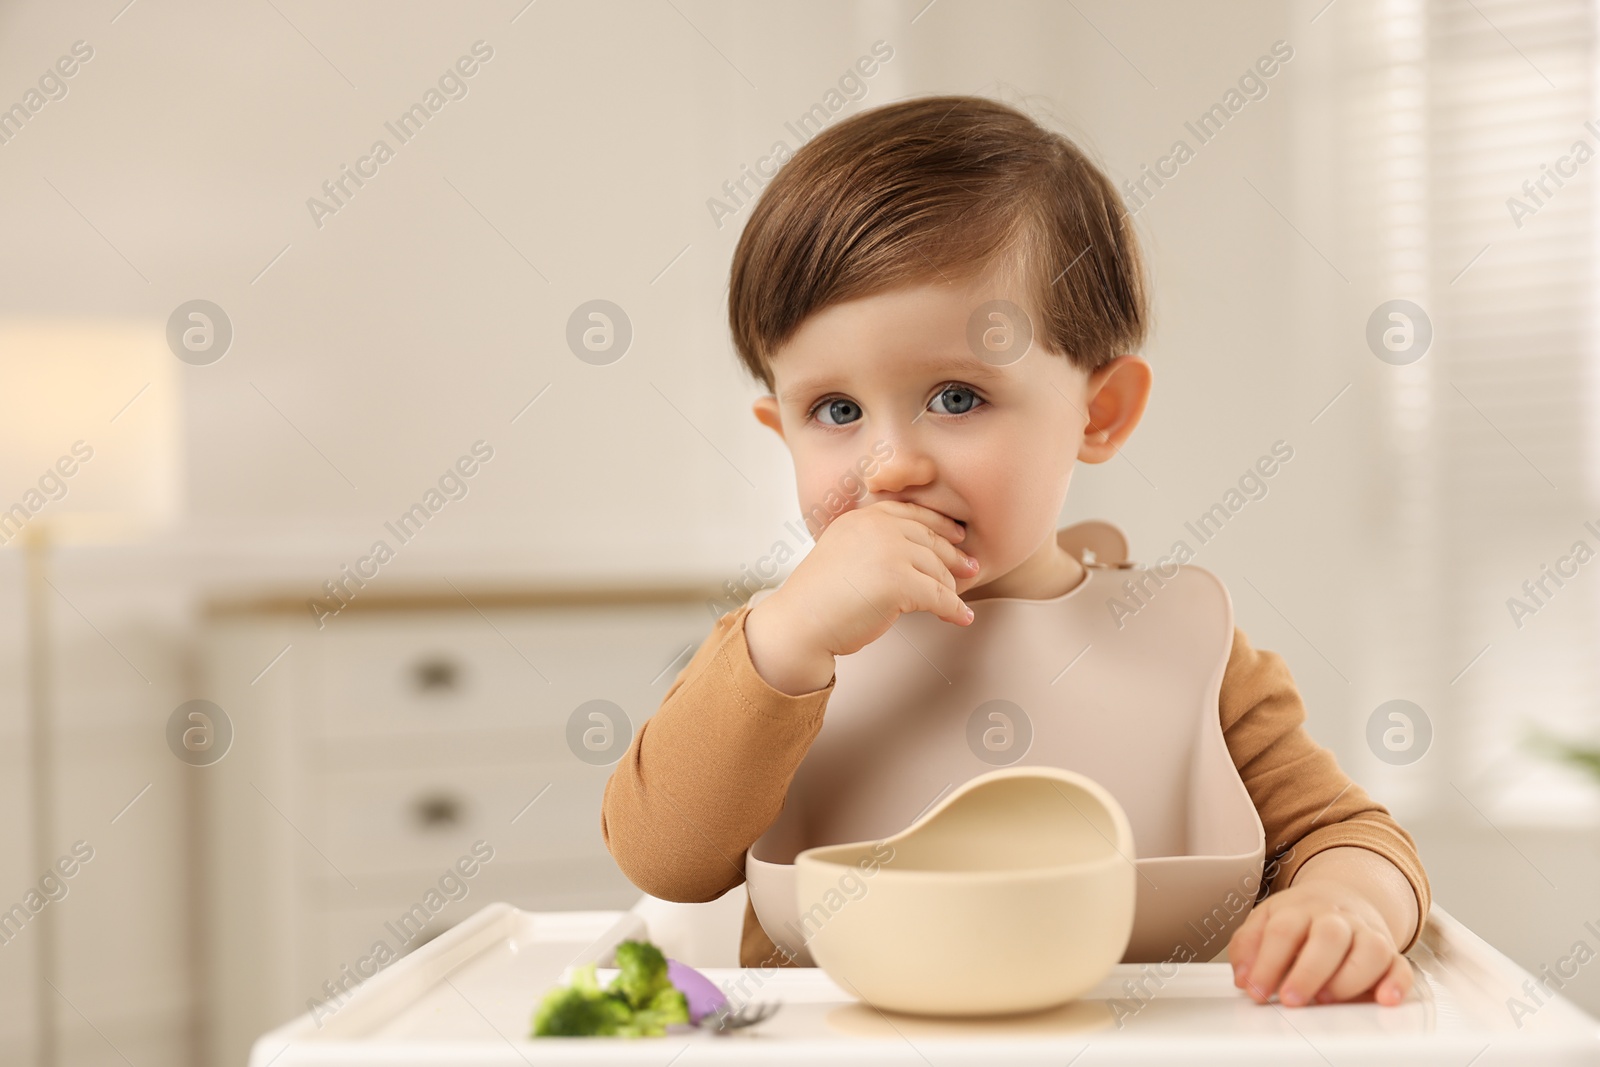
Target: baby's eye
(842, 411)
(846, 411)
(965, 399)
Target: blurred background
(241, 345)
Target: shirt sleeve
(1306, 802)
(707, 774)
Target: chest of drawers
(377, 759)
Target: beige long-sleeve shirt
(707, 774)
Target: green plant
(1586, 757)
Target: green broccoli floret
(643, 972)
(569, 1013)
(648, 1024)
(640, 1002)
(671, 1004)
(582, 1009)
(668, 1006)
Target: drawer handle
(436, 673)
(438, 809)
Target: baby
(941, 298)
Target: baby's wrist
(783, 651)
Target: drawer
(440, 672)
(383, 821)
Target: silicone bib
(1126, 697)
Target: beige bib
(1126, 695)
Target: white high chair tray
(466, 999)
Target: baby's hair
(940, 188)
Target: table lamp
(89, 440)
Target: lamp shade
(89, 428)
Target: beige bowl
(1015, 893)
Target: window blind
(1472, 143)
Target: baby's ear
(1116, 396)
(766, 410)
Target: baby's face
(988, 442)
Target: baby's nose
(904, 468)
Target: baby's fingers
(1396, 982)
(1245, 945)
(1391, 988)
(1367, 962)
(1324, 955)
(1282, 935)
(934, 595)
(1246, 942)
